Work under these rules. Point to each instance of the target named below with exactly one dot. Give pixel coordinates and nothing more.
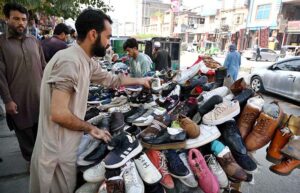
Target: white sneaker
(189, 180)
(184, 75)
(88, 187)
(148, 172)
(221, 91)
(123, 109)
(132, 180)
(217, 170)
(145, 120)
(221, 113)
(95, 173)
(207, 135)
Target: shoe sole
(283, 174)
(132, 154)
(178, 177)
(223, 120)
(272, 159)
(177, 145)
(201, 143)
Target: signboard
(293, 26)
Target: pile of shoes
(183, 132)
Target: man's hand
(11, 108)
(100, 134)
(146, 82)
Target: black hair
(130, 43)
(14, 7)
(61, 28)
(72, 31)
(90, 19)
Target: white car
(282, 78)
(266, 54)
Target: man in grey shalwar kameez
(64, 93)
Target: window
(293, 65)
(264, 50)
(263, 11)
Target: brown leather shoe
(247, 119)
(281, 137)
(292, 148)
(263, 131)
(115, 185)
(191, 128)
(285, 167)
(232, 169)
(237, 87)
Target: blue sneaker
(175, 165)
(217, 147)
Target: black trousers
(26, 138)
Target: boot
(221, 73)
(249, 115)
(292, 148)
(281, 137)
(285, 167)
(263, 131)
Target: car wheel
(256, 84)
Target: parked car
(281, 78)
(289, 51)
(266, 54)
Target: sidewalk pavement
(14, 176)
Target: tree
(60, 8)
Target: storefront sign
(294, 26)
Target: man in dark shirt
(57, 42)
(161, 58)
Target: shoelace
(213, 163)
(220, 108)
(163, 165)
(262, 125)
(248, 117)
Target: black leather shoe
(231, 137)
(164, 137)
(168, 89)
(245, 161)
(209, 105)
(244, 96)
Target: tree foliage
(60, 8)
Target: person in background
(115, 58)
(258, 56)
(139, 63)
(56, 42)
(32, 29)
(161, 58)
(21, 68)
(233, 62)
(109, 53)
(64, 95)
(72, 37)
